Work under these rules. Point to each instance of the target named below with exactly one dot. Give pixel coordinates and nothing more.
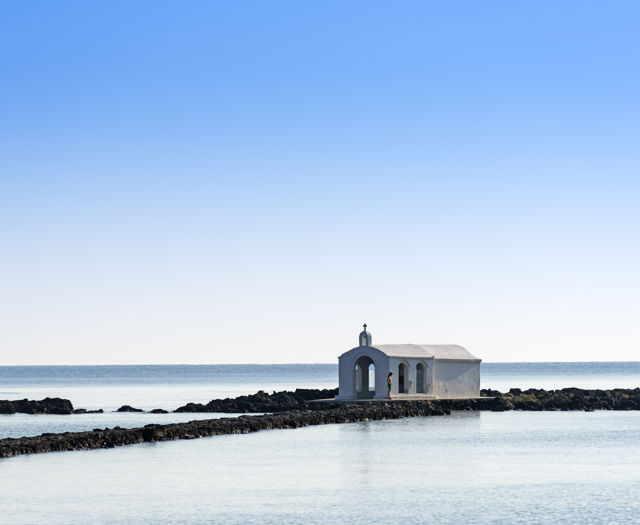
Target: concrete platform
(395, 398)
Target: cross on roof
(365, 326)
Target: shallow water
(512, 467)
(22, 425)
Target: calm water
(513, 467)
(150, 386)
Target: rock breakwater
(109, 438)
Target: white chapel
(418, 371)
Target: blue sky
(209, 182)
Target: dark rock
(6, 407)
(487, 392)
(262, 402)
(158, 411)
(536, 392)
(573, 399)
(49, 405)
(128, 408)
(494, 404)
(192, 407)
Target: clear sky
(249, 182)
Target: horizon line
(289, 364)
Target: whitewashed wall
(456, 379)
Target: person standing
(389, 384)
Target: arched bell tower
(365, 337)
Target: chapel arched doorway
(402, 378)
(421, 378)
(365, 378)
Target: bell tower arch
(364, 339)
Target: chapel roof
(428, 351)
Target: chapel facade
(418, 371)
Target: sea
(484, 468)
